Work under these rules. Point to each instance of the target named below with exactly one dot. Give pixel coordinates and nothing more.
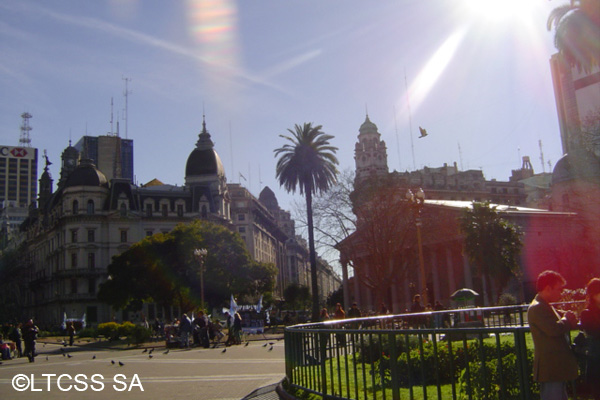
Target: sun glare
(496, 11)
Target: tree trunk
(312, 255)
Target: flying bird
(121, 364)
(423, 132)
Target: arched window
(75, 206)
(123, 210)
(90, 206)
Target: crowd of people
(19, 335)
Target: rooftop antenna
(24, 139)
(519, 154)
(397, 140)
(412, 145)
(542, 156)
(126, 93)
(230, 148)
(460, 157)
(111, 117)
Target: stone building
(76, 229)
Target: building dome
(578, 164)
(267, 197)
(86, 174)
(368, 126)
(204, 160)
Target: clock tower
(70, 158)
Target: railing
(479, 353)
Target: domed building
(78, 228)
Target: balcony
(79, 272)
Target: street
(193, 374)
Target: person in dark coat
(17, 337)
(30, 333)
(71, 332)
(590, 324)
(554, 364)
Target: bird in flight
(423, 132)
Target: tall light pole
(201, 255)
(417, 201)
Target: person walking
(71, 332)
(17, 336)
(185, 328)
(590, 325)
(30, 332)
(554, 364)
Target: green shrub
(491, 381)
(110, 330)
(139, 334)
(88, 333)
(126, 329)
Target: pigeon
(265, 345)
(423, 132)
(150, 356)
(166, 352)
(46, 358)
(112, 362)
(151, 350)
(271, 343)
(64, 355)
(94, 357)
(145, 350)
(68, 355)
(270, 348)
(247, 343)
(44, 344)
(224, 350)
(121, 364)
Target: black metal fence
(478, 353)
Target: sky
(474, 73)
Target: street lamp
(417, 202)
(201, 255)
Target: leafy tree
(297, 297)
(13, 278)
(309, 163)
(577, 29)
(162, 269)
(492, 244)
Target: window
(91, 260)
(92, 286)
(180, 210)
(242, 229)
(74, 286)
(123, 236)
(90, 207)
(73, 260)
(75, 207)
(91, 235)
(165, 210)
(148, 210)
(241, 217)
(74, 236)
(123, 210)
(148, 233)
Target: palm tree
(308, 162)
(577, 27)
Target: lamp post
(417, 202)
(200, 255)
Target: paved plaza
(180, 374)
